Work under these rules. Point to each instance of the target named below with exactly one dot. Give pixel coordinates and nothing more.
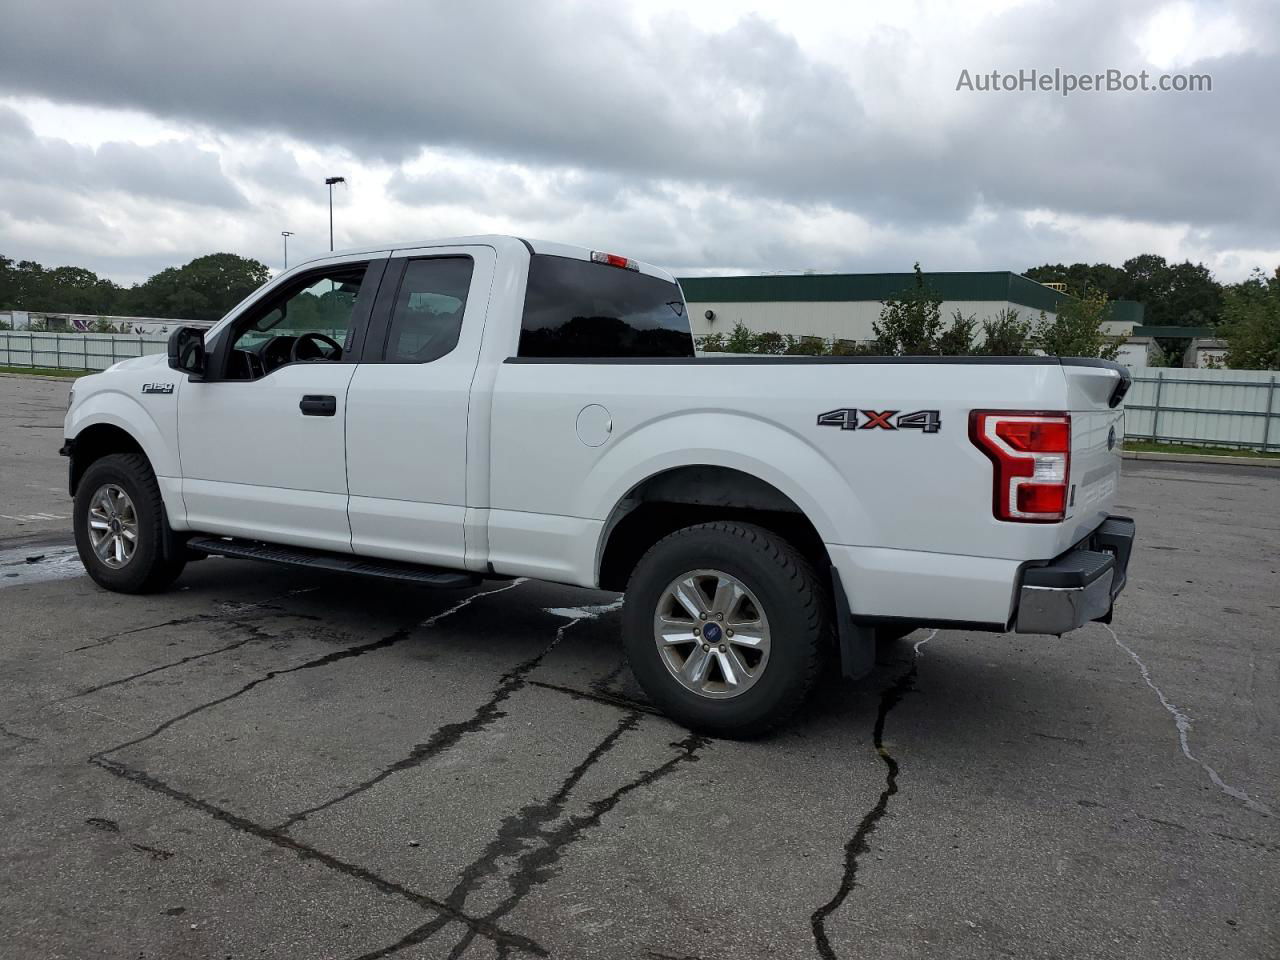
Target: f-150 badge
(157, 388)
(849, 418)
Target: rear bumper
(1080, 586)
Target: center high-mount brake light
(1031, 453)
(613, 260)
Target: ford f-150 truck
(487, 407)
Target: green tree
(1077, 329)
(957, 339)
(808, 346)
(1251, 323)
(711, 343)
(1191, 298)
(740, 339)
(77, 290)
(1175, 295)
(203, 289)
(8, 282)
(853, 348)
(1081, 277)
(22, 284)
(1005, 335)
(769, 342)
(910, 323)
(1146, 278)
(30, 286)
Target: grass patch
(1146, 446)
(46, 371)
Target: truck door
(262, 439)
(409, 402)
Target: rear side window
(428, 312)
(576, 308)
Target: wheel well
(96, 442)
(697, 494)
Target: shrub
(1077, 330)
(1005, 335)
(910, 323)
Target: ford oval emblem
(1111, 438)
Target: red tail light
(1031, 453)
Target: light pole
(330, 181)
(286, 234)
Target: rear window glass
(576, 308)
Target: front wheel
(726, 626)
(122, 535)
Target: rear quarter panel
(901, 489)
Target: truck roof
(498, 241)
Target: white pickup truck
(490, 407)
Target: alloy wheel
(712, 634)
(113, 526)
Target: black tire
(158, 556)
(795, 601)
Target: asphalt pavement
(272, 763)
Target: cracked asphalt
(270, 763)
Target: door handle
(313, 405)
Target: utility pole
(330, 181)
(286, 234)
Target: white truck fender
(734, 441)
(119, 409)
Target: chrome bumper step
(1081, 585)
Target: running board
(334, 562)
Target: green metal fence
(1222, 408)
(75, 351)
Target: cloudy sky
(707, 137)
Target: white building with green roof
(843, 306)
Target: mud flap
(857, 641)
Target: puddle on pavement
(19, 565)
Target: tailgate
(1094, 391)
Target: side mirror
(186, 350)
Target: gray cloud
(556, 195)
(276, 168)
(172, 170)
(447, 186)
(561, 85)
(688, 143)
(538, 83)
(1163, 157)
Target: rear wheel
(121, 531)
(726, 626)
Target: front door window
(309, 321)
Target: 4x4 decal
(875, 419)
(846, 418)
